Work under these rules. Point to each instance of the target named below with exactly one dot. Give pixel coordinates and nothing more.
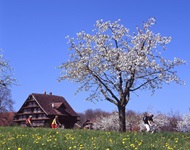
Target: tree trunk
(122, 125)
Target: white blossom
(107, 123)
(112, 63)
(184, 124)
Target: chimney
(53, 105)
(50, 93)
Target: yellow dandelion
(140, 143)
(132, 145)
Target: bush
(107, 123)
(184, 124)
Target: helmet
(30, 116)
(151, 115)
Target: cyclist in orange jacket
(29, 122)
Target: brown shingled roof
(45, 102)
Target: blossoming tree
(111, 63)
(6, 80)
(183, 125)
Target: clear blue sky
(32, 36)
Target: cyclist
(148, 121)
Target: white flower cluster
(162, 120)
(184, 124)
(134, 122)
(114, 60)
(107, 123)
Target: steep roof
(45, 102)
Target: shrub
(107, 123)
(184, 124)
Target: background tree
(6, 80)
(183, 125)
(91, 115)
(6, 77)
(112, 63)
(107, 123)
(6, 102)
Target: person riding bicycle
(148, 121)
(55, 123)
(29, 122)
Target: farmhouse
(43, 108)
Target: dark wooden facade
(43, 108)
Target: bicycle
(155, 128)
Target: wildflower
(140, 143)
(132, 145)
(176, 140)
(81, 146)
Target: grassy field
(17, 138)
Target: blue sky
(32, 36)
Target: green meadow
(22, 138)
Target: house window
(34, 104)
(39, 122)
(30, 104)
(43, 115)
(40, 116)
(35, 110)
(39, 110)
(28, 110)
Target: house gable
(30, 105)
